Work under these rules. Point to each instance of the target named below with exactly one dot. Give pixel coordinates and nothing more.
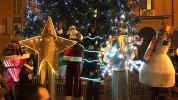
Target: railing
(60, 85)
(135, 87)
(147, 12)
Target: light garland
(69, 10)
(119, 48)
(112, 56)
(48, 46)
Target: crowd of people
(24, 89)
(8, 88)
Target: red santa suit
(73, 57)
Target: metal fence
(135, 87)
(60, 85)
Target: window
(17, 4)
(146, 4)
(3, 26)
(17, 23)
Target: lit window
(147, 4)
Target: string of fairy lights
(111, 57)
(126, 25)
(111, 16)
(80, 12)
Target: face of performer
(92, 30)
(119, 32)
(72, 29)
(164, 36)
(49, 30)
(160, 34)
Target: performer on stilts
(48, 46)
(73, 58)
(157, 69)
(91, 68)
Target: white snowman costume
(159, 71)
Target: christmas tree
(76, 11)
(91, 46)
(121, 46)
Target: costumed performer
(91, 68)
(157, 70)
(73, 58)
(48, 46)
(118, 55)
(26, 73)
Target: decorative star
(48, 45)
(90, 47)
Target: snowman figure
(157, 70)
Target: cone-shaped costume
(48, 45)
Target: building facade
(12, 13)
(154, 13)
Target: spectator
(163, 97)
(26, 73)
(32, 91)
(4, 88)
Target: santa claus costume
(73, 57)
(157, 70)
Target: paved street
(108, 96)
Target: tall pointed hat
(49, 27)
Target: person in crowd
(4, 88)
(34, 57)
(32, 91)
(163, 97)
(26, 73)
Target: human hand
(60, 25)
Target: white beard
(73, 34)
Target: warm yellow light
(95, 13)
(148, 4)
(176, 51)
